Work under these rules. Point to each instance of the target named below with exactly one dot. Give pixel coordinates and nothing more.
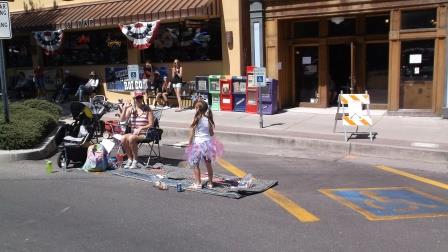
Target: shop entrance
(306, 74)
(339, 70)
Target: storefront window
(339, 26)
(91, 48)
(377, 24)
(416, 19)
(192, 40)
(377, 64)
(17, 52)
(306, 29)
(417, 66)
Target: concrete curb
(324, 146)
(46, 149)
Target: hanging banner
(141, 33)
(50, 41)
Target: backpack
(97, 159)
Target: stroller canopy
(81, 110)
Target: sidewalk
(410, 138)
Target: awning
(112, 13)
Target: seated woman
(140, 118)
(163, 92)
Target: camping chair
(153, 137)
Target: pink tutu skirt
(208, 150)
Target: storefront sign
(131, 85)
(79, 24)
(5, 22)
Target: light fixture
(386, 20)
(337, 20)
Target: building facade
(204, 35)
(394, 50)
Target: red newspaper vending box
(226, 99)
(251, 91)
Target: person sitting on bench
(90, 86)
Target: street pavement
(311, 130)
(78, 211)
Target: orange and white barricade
(355, 113)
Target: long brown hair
(203, 110)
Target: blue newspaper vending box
(239, 93)
(269, 97)
(202, 88)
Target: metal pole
(3, 83)
(260, 107)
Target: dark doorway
(339, 71)
(306, 74)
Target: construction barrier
(355, 113)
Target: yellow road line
(288, 205)
(412, 176)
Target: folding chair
(153, 137)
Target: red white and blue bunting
(50, 41)
(141, 33)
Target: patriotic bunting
(50, 41)
(141, 33)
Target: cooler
(251, 91)
(226, 94)
(269, 97)
(239, 93)
(214, 89)
(202, 87)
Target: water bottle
(64, 166)
(49, 167)
(246, 181)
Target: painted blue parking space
(390, 203)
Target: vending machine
(269, 97)
(251, 91)
(213, 81)
(239, 93)
(226, 94)
(202, 87)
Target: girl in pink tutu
(203, 146)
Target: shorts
(177, 85)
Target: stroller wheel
(62, 159)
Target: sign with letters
(133, 72)
(131, 85)
(260, 76)
(5, 21)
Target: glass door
(417, 67)
(377, 71)
(306, 74)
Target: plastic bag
(246, 181)
(97, 159)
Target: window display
(198, 40)
(17, 52)
(91, 48)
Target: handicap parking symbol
(260, 79)
(390, 203)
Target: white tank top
(202, 133)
